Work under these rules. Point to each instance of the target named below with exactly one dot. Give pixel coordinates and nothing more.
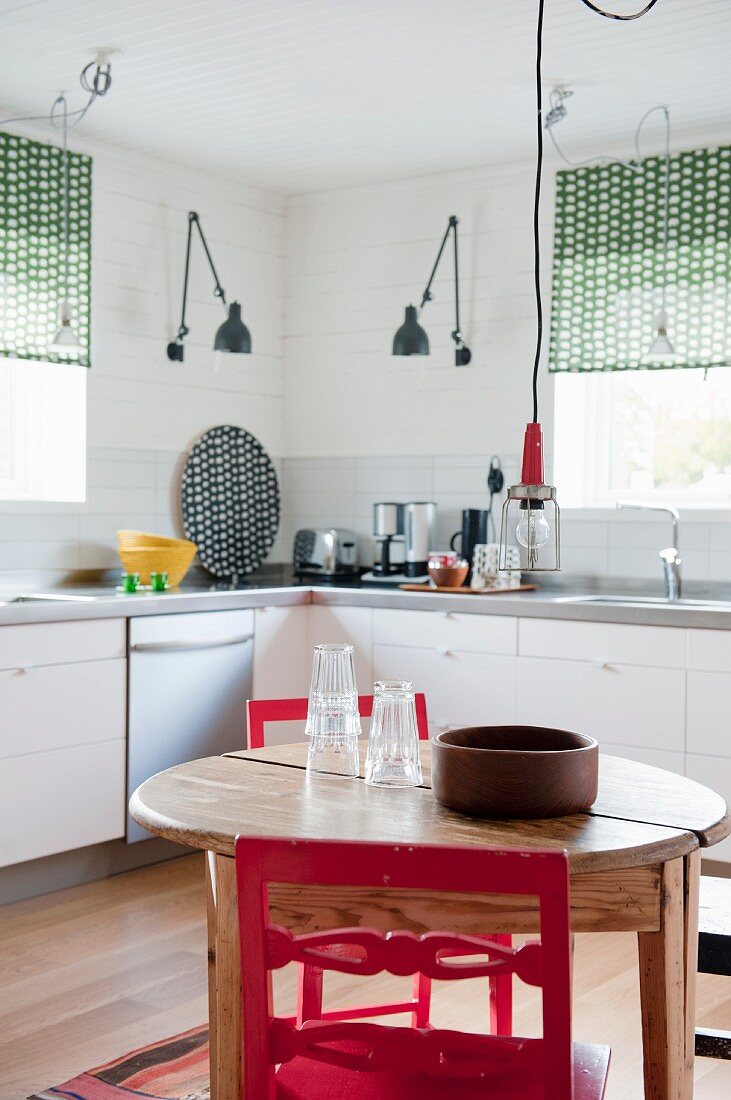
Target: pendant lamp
(66, 340)
(531, 514)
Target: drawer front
(345, 624)
(657, 758)
(57, 801)
(57, 706)
(651, 646)
(461, 689)
(426, 629)
(619, 704)
(62, 643)
(713, 772)
(710, 650)
(709, 700)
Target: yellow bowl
(173, 560)
(137, 539)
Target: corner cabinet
(465, 664)
(63, 708)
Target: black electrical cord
(621, 18)
(536, 209)
(539, 170)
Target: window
(660, 436)
(42, 431)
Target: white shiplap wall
(362, 421)
(355, 258)
(144, 412)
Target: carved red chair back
(261, 711)
(354, 1045)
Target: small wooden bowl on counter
(515, 771)
(448, 576)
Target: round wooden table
(634, 858)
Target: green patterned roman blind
(608, 264)
(32, 248)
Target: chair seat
(714, 926)
(304, 1079)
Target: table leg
(211, 924)
(690, 958)
(662, 992)
(224, 977)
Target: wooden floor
(89, 973)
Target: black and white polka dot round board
(230, 501)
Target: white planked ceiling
(302, 95)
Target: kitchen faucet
(671, 560)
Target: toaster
(330, 552)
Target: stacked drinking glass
(333, 721)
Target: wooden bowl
(515, 771)
(448, 576)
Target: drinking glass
(333, 721)
(393, 746)
(333, 683)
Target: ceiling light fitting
(96, 79)
(661, 349)
(233, 335)
(531, 514)
(411, 339)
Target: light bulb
(532, 532)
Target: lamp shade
(661, 347)
(411, 339)
(66, 341)
(233, 335)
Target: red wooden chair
(261, 711)
(309, 989)
(348, 1060)
(309, 992)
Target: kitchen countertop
(278, 588)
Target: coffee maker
(388, 526)
(404, 535)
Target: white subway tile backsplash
(110, 501)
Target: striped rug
(174, 1069)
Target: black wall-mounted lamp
(411, 339)
(232, 335)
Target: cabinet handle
(176, 647)
(599, 662)
(442, 649)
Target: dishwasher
(189, 678)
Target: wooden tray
(468, 591)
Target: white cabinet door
(57, 706)
(619, 704)
(713, 772)
(710, 650)
(337, 625)
(62, 737)
(282, 663)
(36, 644)
(709, 707)
(649, 646)
(56, 801)
(462, 689)
(657, 758)
(470, 633)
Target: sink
(648, 601)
